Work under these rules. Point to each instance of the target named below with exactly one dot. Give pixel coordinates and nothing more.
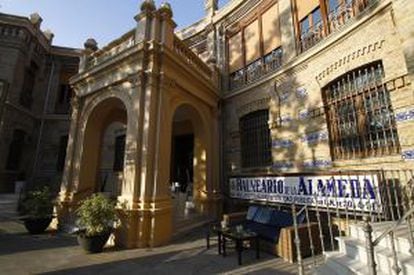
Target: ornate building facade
(34, 102)
(271, 87)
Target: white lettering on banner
(352, 192)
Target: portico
(143, 80)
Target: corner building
(35, 100)
(287, 87)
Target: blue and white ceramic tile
(315, 137)
(281, 143)
(304, 114)
(319, 163)
(301, 92)
(405, 116)
(284, 96)
(285, 120)
(408, 154)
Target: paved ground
(51, 253)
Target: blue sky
(73, 21)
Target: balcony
(333, 22)
(256, 70)
(113, 49)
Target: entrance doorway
(182, 174)
(188, 166)
(101, 166)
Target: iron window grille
(359, 113)
(255, 139)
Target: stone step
(355, 249)
(344, 265)
(402, 235)
(8, 206)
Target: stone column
(65, 199)
(167, 25)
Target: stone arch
(200, 117)
(97, 116)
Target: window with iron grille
(359, 113)
(255, 139)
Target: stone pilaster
(144, 19)
(167, 25)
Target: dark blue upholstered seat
(267, 222)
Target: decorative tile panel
(304, 114)
(281, 143)
(301, 92)
(405, 116)
(285, 120)
(318, 163)
(315, 137)
(284, 96)
(408, 154)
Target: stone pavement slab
(59, 253)
(21, 253)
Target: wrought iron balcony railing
(256, 70)
(336, 18)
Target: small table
(239, 237)
(217, 229)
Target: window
(15, 150)
(255, 139)
(360, 116)
(119, 153)
(255, 46)
(62, 105)
(318, 18)
(60, 165)
(64, 94)
(26, 96)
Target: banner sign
(351, 192)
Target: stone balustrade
(111, 50)
(13, 31)
(191, 58)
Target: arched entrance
(100, 168)
(188, 173)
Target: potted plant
(96, 219)
(37, 210)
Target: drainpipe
(42, 121)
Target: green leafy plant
(38, 204)
(96, 215)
